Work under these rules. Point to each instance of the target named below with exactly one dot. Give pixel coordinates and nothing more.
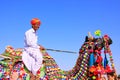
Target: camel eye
(89, 47)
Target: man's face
(36, 26)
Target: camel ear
(110, 41)
(90, 36)
(86, 39)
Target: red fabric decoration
(99, 59)
(106, 36)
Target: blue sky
(65, 23)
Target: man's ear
(86, 39)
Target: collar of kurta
(33, 30)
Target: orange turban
(35, 20)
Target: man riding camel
(32, 57)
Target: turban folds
(34, 21)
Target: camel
(12, 67)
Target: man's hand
(41, 47)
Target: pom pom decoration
(92, 69)
(94, 77)
(97, 33)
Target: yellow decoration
(98, 33)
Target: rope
(61, 51)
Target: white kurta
(32, 57)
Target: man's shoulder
(29, 31)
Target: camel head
(92, 44)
